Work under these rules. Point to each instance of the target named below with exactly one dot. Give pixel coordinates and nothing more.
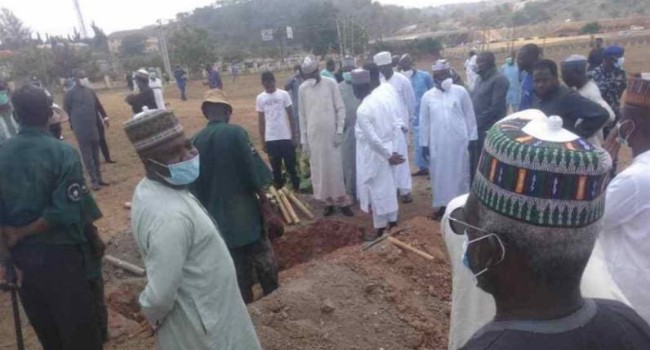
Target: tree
(13, 33)
(590, 28)
(32, 61)
(191, 47)
(133, 45)
(318, 28)
(100, 39)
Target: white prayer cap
(441, 64)
(383, 58)
(309, 65)
(142, 73)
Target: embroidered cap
(638, 91)
(360, 77)
(152, 128)
(532, 170)
(309, 65)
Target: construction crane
(80, 18)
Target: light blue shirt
(422, 82)
(511, 72)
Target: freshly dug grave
(353, 299)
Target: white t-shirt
(276, 120)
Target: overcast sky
(59, 17)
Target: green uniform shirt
(41, 177)
(231, 173)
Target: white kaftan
(592, 92)
(192, 294)
(472, 308)
(157, 87)
(625, 237)
(322, 117)
(470, 73)
(376, 142)
(406, 103)
(447, 124)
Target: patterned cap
(532, 170)
(360, 77)
(638, 91)
(152, 128)
(441, 64)
(614, 50)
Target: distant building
(151, 45)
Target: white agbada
(472, 308)
(157, 87)
(447, 124)
(376, 142)
(322, 117)
(625, 237)
(406, 105)
(470, 73)
(592, 92)
(191, 294)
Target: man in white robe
(471, 70)
(447, 125)
(192, 299)
(625, 236)
(406, 104)
(376, 156)
(156, 85)
(322, 118)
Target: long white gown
(322, 116)
(376, 142)
(447, 124)
(406, 103)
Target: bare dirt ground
(333, 295)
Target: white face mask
(408, 73)
(622, 139)
(619, 62)
(84, 82)
(446, 84)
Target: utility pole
(162, 44)
(338, 31)
(80, 18)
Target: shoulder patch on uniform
(253, 150)
(74, 191)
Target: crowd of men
(547, 249)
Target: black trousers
(255, 259)
(57, 296)
(103, 145)
(99, 307)
(279, 151)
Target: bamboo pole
(303, 208)
(287, 205)
(285, 213)
(412, 249)
(125, 265)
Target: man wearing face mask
(80, 103)
(489, 100)
(421, 82)
(406, 102)
(624, 236)
(8, 126)
(529, 249)
(322, 118)
(145, 96)
(191, 300)
(447, 125)
(611, 80)
(349, 146)
(231, 187)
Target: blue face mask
(347, 76)
(466, 244)
(183, 173)
(4, 98)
